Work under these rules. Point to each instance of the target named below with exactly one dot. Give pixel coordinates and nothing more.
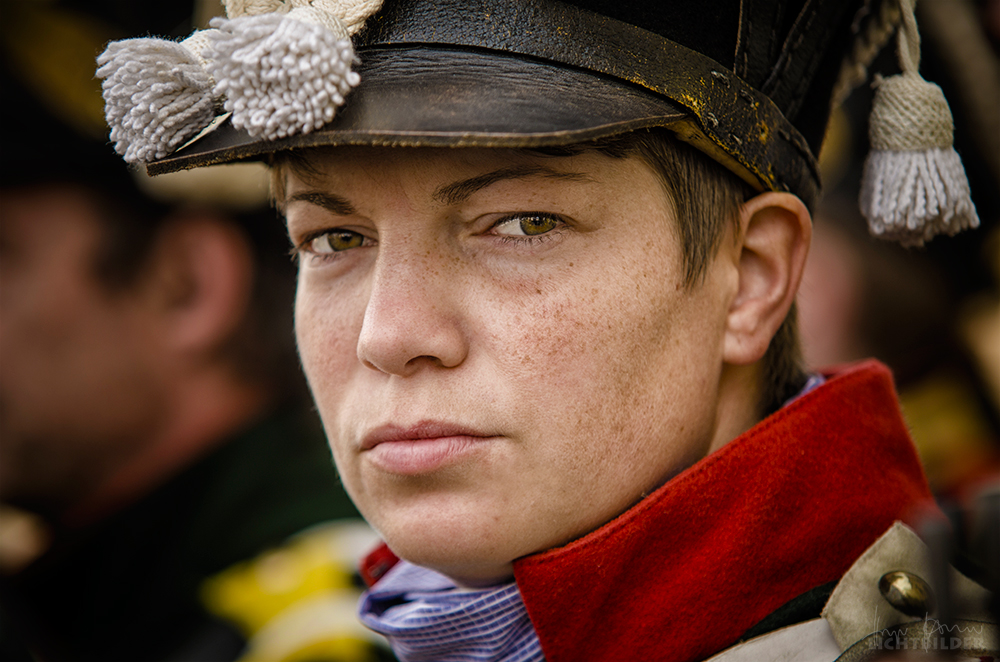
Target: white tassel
(914, 185)
(157, 95)
(281, 75)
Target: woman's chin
(471, 556)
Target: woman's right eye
(333, 241)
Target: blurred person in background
(157, 453)
(863, 298)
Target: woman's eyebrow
(452, 194)
(328, 201)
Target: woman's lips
(421, 448)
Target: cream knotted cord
(198, 43)
(237, 8)
(908, 40)
(351, 13)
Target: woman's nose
(411, 319)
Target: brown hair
(706, 197)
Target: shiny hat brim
(433, 97)
(531, 73)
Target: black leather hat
(747, 81)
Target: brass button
(907, 593)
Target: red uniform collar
(785, 507)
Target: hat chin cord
(914, 185)
(281, 68)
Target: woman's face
(500, 345)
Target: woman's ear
(199, 282)
(775, 231)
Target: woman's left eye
(527, 225)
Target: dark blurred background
(166, 492)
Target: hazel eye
(334, 241)
(527, 225)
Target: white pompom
(280, 76)
(912, 196)
(157, 95)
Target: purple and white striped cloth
(814, 381)
(426, 616)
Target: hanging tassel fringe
(914, 186)
(927, 194)
(157, 95)
(282, 74)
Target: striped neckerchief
(426, 616)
